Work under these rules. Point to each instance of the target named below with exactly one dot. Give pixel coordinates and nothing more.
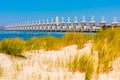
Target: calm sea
(25, 35)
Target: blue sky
(12, 11)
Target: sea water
(25, 35)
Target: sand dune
(49, 65)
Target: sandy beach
(49, 65)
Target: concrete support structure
(83, 24)
(115, 23)
(68, 25)
(92, 24)
(47, 25)
(103, 23)
(62, 25)
(57, 25)
(75, 25)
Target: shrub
(13, 46)
(83, 63)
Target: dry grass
(43, 67)
(52, 43)
(82, 63)
(35, 43)
(1, 71)
(107, 43)
(17, 46)
(74, 38)
(13, 47)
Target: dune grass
(82, 63)
(1, 71)
(46, 43)
(13, 47)
(74, 38)
(35, 43)
(52, 43)
(0, 48)
(107, 43)
(17, 46)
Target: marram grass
(107, 43)
(74, 38)
(35, 43)
(1, 71)
(13, 47)
(52, 43)
(82, 63)
(17, 46)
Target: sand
(5, 61)
(49, 65)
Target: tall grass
(74, 38)
(46, 43)
(17, 46)
(1, 71)
(13, 47)
(107, 43)
(35, 43)
(0, 48)
(52, 43)
(82, 63)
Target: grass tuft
(13, 47)
(1, 71)
(52, 43)
(107, 43)
(35, 43)
(82, 63)
(74, 38)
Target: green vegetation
(13, 47)
(52, 43)
(1, 71)
(107, 43)
(16, 46)
(74, 38)
(82, 63)
(35, 43)
(0, 48)
(46, 43)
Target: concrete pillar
(83, 23)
